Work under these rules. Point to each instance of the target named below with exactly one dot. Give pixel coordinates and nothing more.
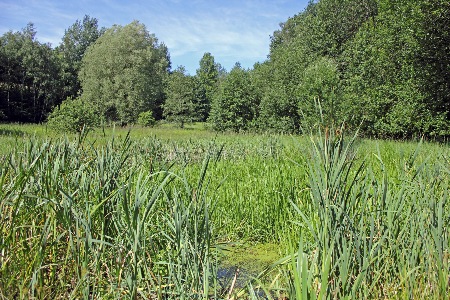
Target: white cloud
(224, 32)
(232, 30)
(49, 20)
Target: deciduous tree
(319, 95)
(235, 106)
(180, 107)
(122, 73)
(30, 77)
(207, 76)
(77, 38)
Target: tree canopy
(77, 38)
(180, 106)
(378, 65)
(29, 77)
(235, 105)
(122, 73)
(207, 77)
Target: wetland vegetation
(160, 212)
(109, 188)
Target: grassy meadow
(158, 213)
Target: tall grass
(139, 214)
(365, 235)
(81, 222)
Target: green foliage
(278, 109)
(433, 64)
(284, 73)
(319, 95)
(30, 83)
(123, 71)
(77, 38)
(235, 106)
(381, 75)
(324, 27)
(73, 115)
(102, 231)
(180, 106)
(389, 66)
(380, 65)
(146, 119)
(335, 22)
(207, 77)
(103, 216)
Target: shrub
(72, 116)
(146, 119)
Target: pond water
(250, 259)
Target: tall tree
(325, 26)
(319, 95)
(11, 71)
(235, 106)
(30, 77)
(122, 73)
(283, 75)
(381, 78)
(180, 107)
(207, 76)
(77, 38)
(433, 62)
(304, 45)
(335, 22)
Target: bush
(146, 119)
(72, 116)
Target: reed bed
(143, 215)
(367, 233)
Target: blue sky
(231, 30)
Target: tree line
(378, 65)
